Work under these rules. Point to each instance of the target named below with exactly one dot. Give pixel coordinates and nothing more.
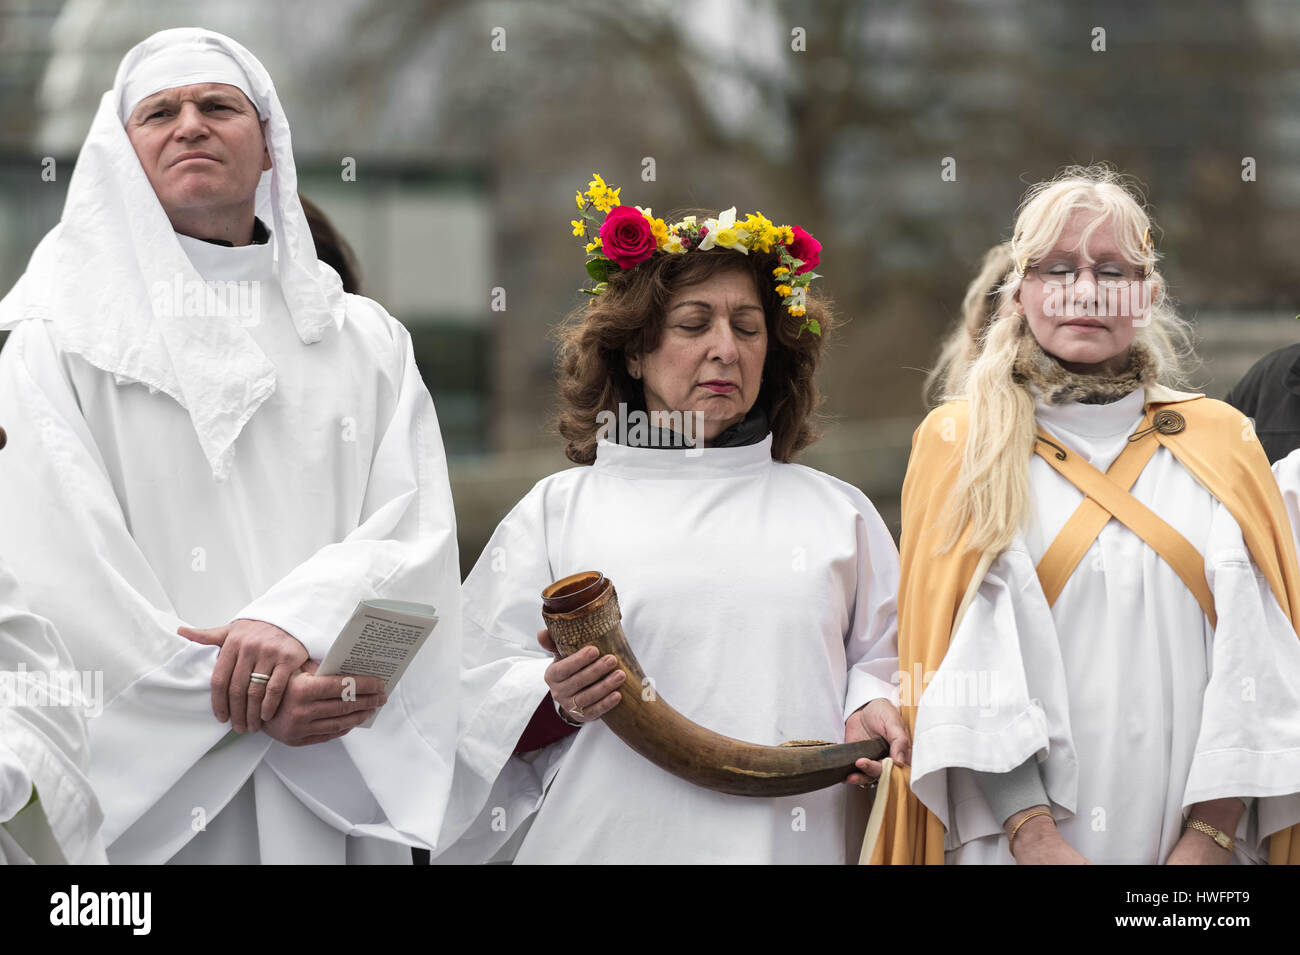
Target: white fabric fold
(114, 235)
(43, 740)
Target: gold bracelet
(1221, 838)
(1037, 812)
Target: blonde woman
(1098, 583)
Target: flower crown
(628, 236)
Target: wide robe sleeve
(871, 644)
(502, 682)
(404, 548)
(1249, 739)
(65, 532)
(43, 743)
(998, 699)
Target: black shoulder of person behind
(1270, 394)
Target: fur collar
(1056, 385)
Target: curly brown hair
(627, 319)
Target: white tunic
(759, 596)
(43, 742)
(337, 491)
(1134, 706)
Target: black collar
(753, 429)
(260, 236)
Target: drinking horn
(582, 609)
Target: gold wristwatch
(1218, 835)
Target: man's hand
(321, 708)
(879, 718)
(248, 647)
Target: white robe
(759, 596)
(43, 743)
(1286, 471)
(1134, 706)
(337, 491)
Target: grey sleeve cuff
(1009, 793)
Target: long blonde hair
(992, 491)
(983, 299)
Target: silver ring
(259, 678)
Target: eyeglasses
(1105, 274)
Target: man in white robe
(760, 598)
(48, 812)
(1122, 702)
(207, 494)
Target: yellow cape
(1217, 446)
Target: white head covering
(91, 276)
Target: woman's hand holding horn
(583, 686)
(879, 718)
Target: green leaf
(598, 268)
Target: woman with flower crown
(758, 594)
(1098, 586)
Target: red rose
(626, 237)
(805, 247)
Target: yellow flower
(579, 226)
(593, 245)
(660, 232)
(785, 235)
(657, 227)
(580, 201)
(607, 200)
(726, 238)
(780, 270)
(783, 290)
(673, 244)
(763, 232)
(797, 310)
(596, 187)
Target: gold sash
(1106, 496)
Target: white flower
(725, 220)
